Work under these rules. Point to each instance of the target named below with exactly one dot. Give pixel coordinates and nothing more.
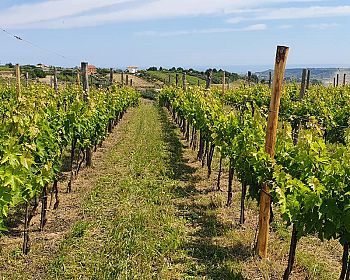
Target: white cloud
(70, 13)
(234, 20)
(255, 27)
(21, 15)
(322, 26)
(302, 13)
(285, 26)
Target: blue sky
(187, 33)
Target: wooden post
(55, 83)
(198, 83)
(270, 79)
(209, 79)
(184, 81)
(127, 80)
(337, 80)
(122, 78)
(85, 77)
(308, 79)
(78, 77)
(249, 77)
(334, 82)
(177, 79)
(27, 79)
(111, 76)
(131, 82)
(18, 80)
(303, 84)
(344, 79)
(265, 198)
(223, 82)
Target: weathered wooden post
(334, 82)
(223, 82)
(303, 84)
(184, 81)
(344, 79)
(198, 83)
(127, 80)
(265, 198)
(27, 79)
(249, 77)
(308, 78)
(111, 76)
(85, 77)
(337, 80)
(78, 77)
(209, 79)
(55, 82)
(270, 79)
(18, 81)
(131, 82)
(122, 78)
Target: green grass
(164, 75)
(152, 215)
(133, 230)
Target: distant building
(43, 67)
(92, 69)
(132, 69)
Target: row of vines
(310, 174)
(42, 127)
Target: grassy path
(154, 215)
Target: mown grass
(164, 76)
(154, 215)
(132, 230)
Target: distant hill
(324, 75)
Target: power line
(35, 45)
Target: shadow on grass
(212, 260)
(179, 170)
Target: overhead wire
(35, 45)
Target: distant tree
(160, 68)
(39, 73)
(180, 69)
(173, 69)
(152, 68)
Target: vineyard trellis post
(344, 79)
(111, 76)
(308, 79)
(18, 80)
(55, 83)
(270, 79)
(78, 77)
(131, 82)
(184, 81)
(249, 77)
(127, 80)
(27, 78)
(223, 82)
(209, 79)
(334, 82)
(84, 71)
(122, 78)
(271, 133)
(337, 79)
(303, 84)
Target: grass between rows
(154, 215)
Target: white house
(132, 69)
